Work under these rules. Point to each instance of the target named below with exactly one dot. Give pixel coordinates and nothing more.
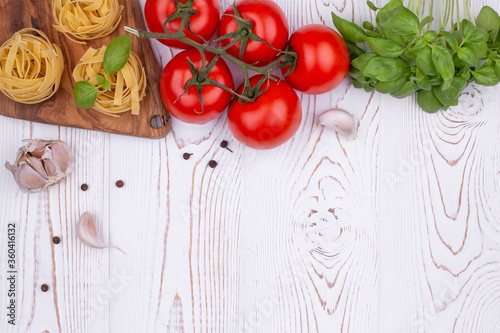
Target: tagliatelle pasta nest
(30, 67)
(128, 86)
(82, 20)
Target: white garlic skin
(41, 164)
(339, 121)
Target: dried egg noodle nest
(128, 86)
(30, 67)
(82, 20)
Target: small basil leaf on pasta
(117, 54)
(85, 94)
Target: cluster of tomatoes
(271, 119)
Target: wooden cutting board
(61, 109)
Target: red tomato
(323, 59)
(269, 121)
(203, 23)
(188, 107)
(269, 23)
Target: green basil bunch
(406, 59)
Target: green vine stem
(286, 58)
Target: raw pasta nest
(30, 67)
(82, 20)
(128, 86)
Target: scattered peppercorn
(84, 187)
(120, 184)
(212, 164)
(186, 156)
(56, 240)
(45, 288)
(224, 144)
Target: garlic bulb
(40, 164)
(86, 231)
(340, 121)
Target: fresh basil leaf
(443, 99)
(424, 84)
(354, 50)
(385, 47)
(430, 36)
(350, 31)
(390, 86)
(425, 21)
(413, 52)
(100, 79)
(85, 94)
(465, 74)
(386, 13)
(362, 61)
(428, 101)
(472, 35)
(451, 40)
(117, 54)
(358, 75)
(468, 56)
(372, 6)
(402, 22)
(466, 30)
(457, 87)
(443, 62)
(106, 85)
(481, 50)
(408, 89)
(386, 69)
(425, 63)
(479, 36)
(486, 74)
(398, 39)
(489, 20)
(367, 25)
(497, 68)
(357, 84)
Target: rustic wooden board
(61, 108)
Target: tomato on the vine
(322, 59)
(270, 120)
(187, 107)
(268, 23)
(203, 23)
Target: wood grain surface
(61, 109)
(396, 231)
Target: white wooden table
(397, 231)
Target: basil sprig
(115, 58)
(406, 60)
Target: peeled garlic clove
(86, 231)
(29, 179)
(49, 160)
(340, 121)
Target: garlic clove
(87, 233)
(28, 179)
(37, 165)
(50, 167)
(61, 155)
(340, 121)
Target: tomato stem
(242, 35)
